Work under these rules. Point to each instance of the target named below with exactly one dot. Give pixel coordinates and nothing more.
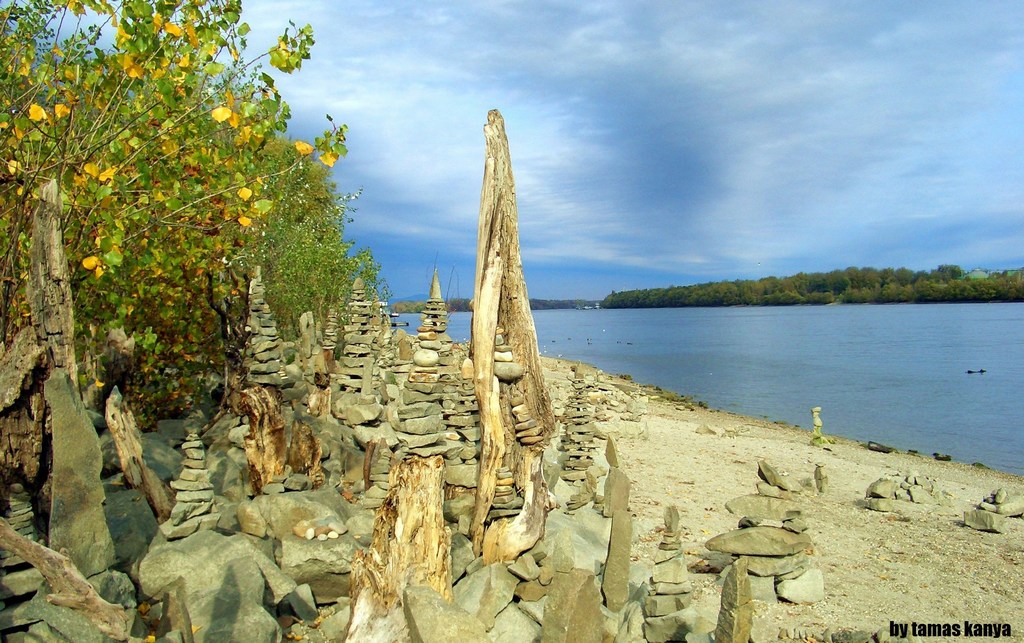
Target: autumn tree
(154, 127)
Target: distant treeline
(947, 283)
(462, 305)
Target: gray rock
(616, 492)
(920, 495)
(77, 523)
(677, 626)
(534, 609)
(508, 371)
(462, 555)
(20, 583)
(224, 585)
(132, 528)
(882, 488)
(736, 616)
(671, 571)
(162, 458)
(432, 619)
(573, 609)
(1011, 507)
(807, 588)
(760, 541)
(615, 579)
(660, 605)
(589, 533)
(361, 413)
(777, 565)
(485, 592)
(250, 520)
(302, 603)
(762, 588)
(984, 520)
(324, 565)
(880, 504)
(512, 625)
(762, 507)
(525, 568)
(771, 475)
(282, 511)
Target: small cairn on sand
(993, 511)
(193, 502)
(911, 487)
(817, 439)
(772, 538)
(667, 617)
(263, 354)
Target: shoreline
(916, 564)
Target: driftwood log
(137, 474)
(411, 546)
(501, 301)
(266, 446)
(69, 587)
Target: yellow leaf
(185, 62)
(244, 193)
(90, 263)
(233, 121)
(244, 221)
(132, 68)
(328, 158)
(158, 20)
(98, 383)
(98, 272)
(304, 148)
(61, 110)
(107, 174)
(221, 114)
(192, 38)
(36, 113)
(92, 170)
(13, 167)
(173, 29)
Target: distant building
(977, 273)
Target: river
(895, 374)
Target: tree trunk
(411, 546)
(233, 311)
(265, 447)
(25, 456)
(137, 474)
(70, 589)
(49, 286)
(501, 301)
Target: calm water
(893, 374)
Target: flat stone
(760, 541)
(880, 504)
(807, 588)
(763, 507)
(777, 565)
(572, 613)
(525, 568)
(660, 605)
(432, 619)
(485, 592)
(512, 624)
(771, 475)
(1011, 507)
(677, 626)
(984, 520)
(672, 570)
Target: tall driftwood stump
(411, 546)
(501, 302)
(266, 447)
(137, 474)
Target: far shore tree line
(460, 305)
(947, 283)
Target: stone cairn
(462, 416)
(578, 436)
(356, 370)
(912, 487)
(993, 511)
(193, 502)
(772, 539)
(13, 568)
(263, 354)
(670, 585)
(818, 439)
(380, 457)
(506, 502)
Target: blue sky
(675, 142)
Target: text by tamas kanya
(966, 629)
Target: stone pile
(461, 416)
(528, 430)
(356, 372)
(578, 435)
(773, 541)
(193, 501)
(912, 487)
(506, 368)
(380, 464)
(17, 577)
(993, 511)
(506, 501)
(670, 585)
(263, 352)
(432, 332)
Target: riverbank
(919, 564)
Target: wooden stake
(137, 474)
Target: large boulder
(325, 565)
(431, 619)
(485, 592)
(133, 528)
(225, 581)
(573, 613)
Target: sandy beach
(919, 564)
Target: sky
(673, 142)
